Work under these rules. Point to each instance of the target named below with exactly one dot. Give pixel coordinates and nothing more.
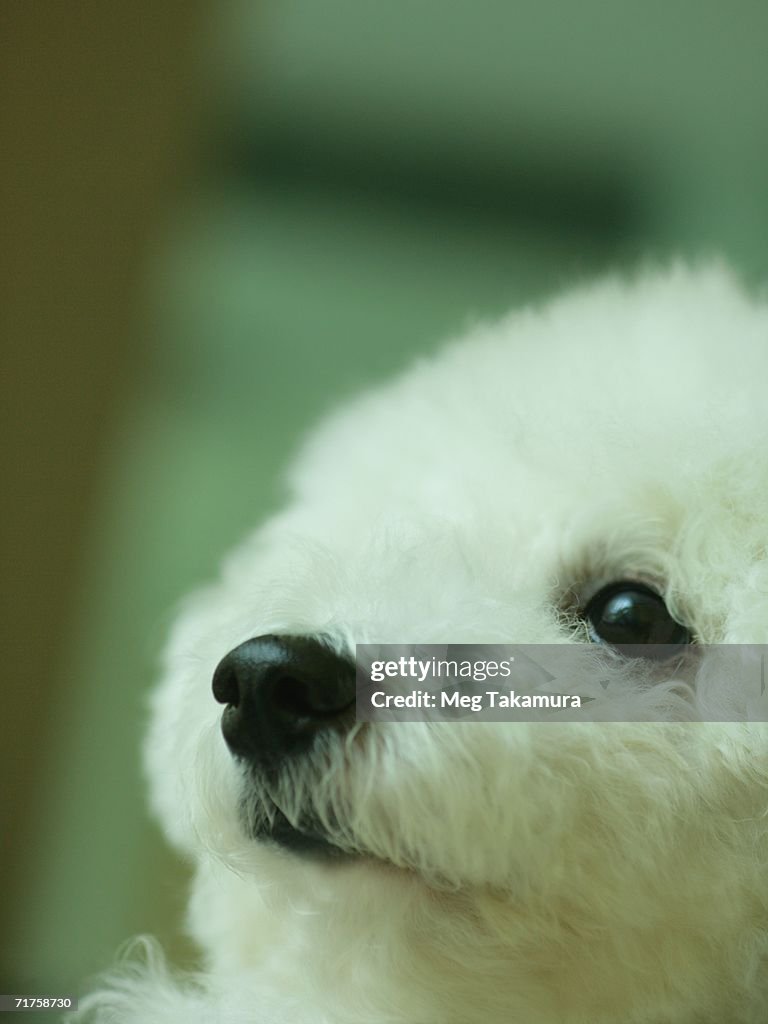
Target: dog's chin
(307, 841)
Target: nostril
(225, 686)
(305, 699)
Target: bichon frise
(591, 471)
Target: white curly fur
(558, 873)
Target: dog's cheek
(169, 763)
(186, 762)
(530, 807)
(477, 804)
(193, 783)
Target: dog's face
(600, 465)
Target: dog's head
(590, 472)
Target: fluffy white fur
(578, 873)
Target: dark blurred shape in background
(217, 221)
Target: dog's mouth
(308, 839)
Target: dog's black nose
(280, 691)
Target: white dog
(592, 471)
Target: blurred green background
(223, 220)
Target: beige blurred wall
(97, 130)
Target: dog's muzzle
(282, 694)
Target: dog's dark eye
(630, 616)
